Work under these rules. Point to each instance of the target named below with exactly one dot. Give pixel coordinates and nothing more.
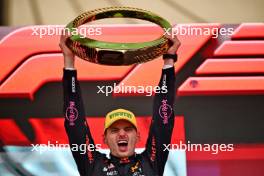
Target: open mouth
(122, 144)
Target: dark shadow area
(3, 12)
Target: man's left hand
(176, 44)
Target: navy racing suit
(150, 162)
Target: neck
(122, 159)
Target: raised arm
(163, 115)
(75, 124)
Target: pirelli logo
(120, 114)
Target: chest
(130, 169)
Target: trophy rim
(155, 48)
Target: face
(121, 137)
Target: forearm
(169, 62)
(73, 110)
(75, 124)
(163, 121)
(165, 101)
(163, 113)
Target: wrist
(171, 52)
(69, 62)
(69, 67)
(169, 62)
(172, 57)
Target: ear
(104, 139)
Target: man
(120, 132)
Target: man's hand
(68, 55)
(176, 44)
(173, 49)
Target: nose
(122, 133)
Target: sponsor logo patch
(165, 111)
(71, 113)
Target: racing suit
(151, 162)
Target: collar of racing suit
(126, 160)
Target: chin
(123, 154)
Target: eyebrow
(113, 128)
(116, 128)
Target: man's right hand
(68, 55)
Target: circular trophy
(111, 53)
